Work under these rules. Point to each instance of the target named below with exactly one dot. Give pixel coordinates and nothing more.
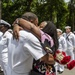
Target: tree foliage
(54, 10)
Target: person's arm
(46, 40)
(35, 49)
(48, 58)
(64, 44)
(73, 40)
(27, 26)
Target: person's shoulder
(64, 33)
(24, 33)
(7, 34)
(62, 37)
(72, 34)
(27, 34)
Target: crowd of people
(29, 48)
(66, 44)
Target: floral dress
(43, 68)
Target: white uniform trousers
(60, 67)
(74, 53)
(4, 61)
(56, 67)
(71, 53)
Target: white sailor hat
(67, 27)
(59, 30)
(2, 22)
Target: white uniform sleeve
(34, 47)
(5, 38)
(73, 40)
(1, 34)
(64, 44)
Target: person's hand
(16, 21)
(16, 30)
(51, 58)
(48, 59)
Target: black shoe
(60, 72)
(1, 71)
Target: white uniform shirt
(22, 52)
(70, 39)
(3, 46)
(1, 35)
(0, 47)
(62, 43)
(4, 41)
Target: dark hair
(29, 16)
(51, 30)
(5, 25)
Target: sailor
(62, 47)
(4, 27)
(70, 39)
(0, 54)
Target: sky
(67, 0)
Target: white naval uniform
(62, 47)
(1, 35)
(70, 39)
(0, 48)
(4, 50)
(74, 53)
(22, 52)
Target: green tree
(71, 18)
(12, 10)
(53, 10)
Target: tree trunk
(28, 5)
(0, 9)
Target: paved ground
(1, 73)
(68, 72)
